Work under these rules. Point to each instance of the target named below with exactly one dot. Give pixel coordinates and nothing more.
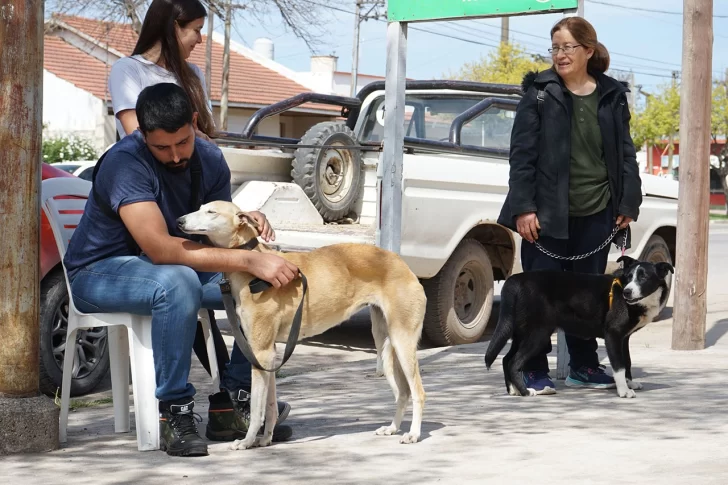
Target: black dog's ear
(663, 268)
(626, 262)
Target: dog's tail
(504, 328)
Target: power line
(651, 10)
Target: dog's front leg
(628, 365)
(258, 396)
(271, 412)
(613, 343)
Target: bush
(67, 148)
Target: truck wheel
(656, 251)
(331, 177)
(90, 346)
(460, 296)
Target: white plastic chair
(64, 214)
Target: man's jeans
(172, 295)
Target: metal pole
(504, 29)
(691, 268)
(208, 51)
(355, 55)
(390, 168)
(226, 68)
(21, 101)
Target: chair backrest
(63, 199)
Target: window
(429, 117)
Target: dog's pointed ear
(245, 218)
(626, 262)
(664, 268)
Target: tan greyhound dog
(342, 279)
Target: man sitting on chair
(127, 255)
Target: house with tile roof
(79, 53)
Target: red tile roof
(250, 82)
(75, 66)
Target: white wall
(68, 110)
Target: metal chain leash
(591, 253)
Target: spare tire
(331, 177)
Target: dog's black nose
(180, 220)
(627, 292)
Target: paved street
(675, 431)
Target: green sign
(422, 10)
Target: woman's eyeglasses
(567, 49)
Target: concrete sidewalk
(675, 431)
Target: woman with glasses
(574, 178)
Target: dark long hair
(159, 26)
(585, 35)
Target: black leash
(257, 286)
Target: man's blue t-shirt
(129, 174)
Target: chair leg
(146, 406)
(68, 360)
(119, 365)
(210, 343)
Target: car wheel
(657, 251)
(90, 347)
(460, 296)
(331, 177)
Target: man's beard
(179, 167)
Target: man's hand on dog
(273, 269)
(528, 226)
(264, 228)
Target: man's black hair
(163, 106)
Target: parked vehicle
(82, 169)
(325, 188)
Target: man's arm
(146, 224)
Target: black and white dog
(612, 307)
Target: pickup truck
(324, 188)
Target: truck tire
(92, 344)
(460, 296)
(332, 177)
(657, 251)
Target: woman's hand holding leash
(624, 221)
(528, 226)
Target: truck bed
(304, 237)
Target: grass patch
(75, 404)
(80, 404)
(718, 217)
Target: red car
(90, 347)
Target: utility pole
(208, 51)
(372, 14)
(504, 29)
(691, 268)
(226, 67)
(29, 420)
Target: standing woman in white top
(170, 32)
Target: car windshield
(67, 167)
(429, 116)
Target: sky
(647, 43)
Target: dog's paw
(531, 392)
(241, 445)
(409, 438)
(634, 385)
(627, 393)
(512, 390)
(263, 441)
(386, 431)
